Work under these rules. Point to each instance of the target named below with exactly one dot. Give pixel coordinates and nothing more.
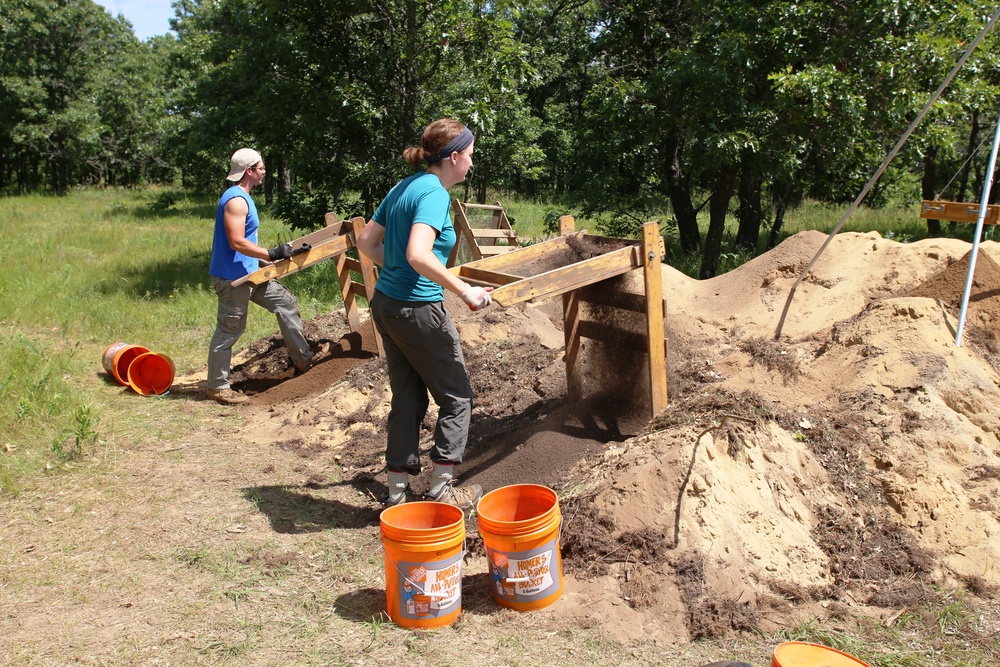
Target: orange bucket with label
(151, 373)
(803, 654)
(423, 546)
(118, 357)
(520, 527)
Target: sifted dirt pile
(851, 463)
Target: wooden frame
(509, 276)
(481, 242)
(331, 242)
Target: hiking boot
(407, 497)
(226, 396)
(464, 497)
(314, 355)
(306, 363)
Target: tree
(77, 103)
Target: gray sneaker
(464, 497)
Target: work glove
(477, 297)
(283, 251)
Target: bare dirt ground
(850, 468)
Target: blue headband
(456, 145)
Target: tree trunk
(718, 207)
(928, 187)
(679, 191)
(750, 212)
(963, 182)
(780, 203)
(272, 162)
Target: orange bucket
(802, 654)
(151, 373)
(118, 357)
(423, 549)
(520, 528)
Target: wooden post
(571, 335)
(368, 276)
(350, 306)
(651, 244)
(567, 225)
(463, 232)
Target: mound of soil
(849, 462)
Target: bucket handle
(418, 587)
(518, 580)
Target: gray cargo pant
(423, 354)
(232, 322)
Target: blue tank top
(226, 262)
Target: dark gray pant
(231, 321)
(424, 354)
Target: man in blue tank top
(235, 254)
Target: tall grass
(97, 267)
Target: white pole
(983, 207)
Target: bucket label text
(522, 576)
(430, 589)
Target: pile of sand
(854, 461)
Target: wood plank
(472, 273)
(567, 225)
(483, 207)
(369, 276)
(358, 290)
(568, 278)
(319, 252)
(463, 232)
(494, 250)
(350, 303)
(320, 235)
(652, 270)
(483, 233)
(571, 336)
(958, 211)
(503, 263)
(352, 264)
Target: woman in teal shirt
(411, 236)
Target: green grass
(98, 267)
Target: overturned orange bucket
(151, 373)
(520, 526)
(422, 543)
(118, 357)
(803, 654)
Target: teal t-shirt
(419, 198)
